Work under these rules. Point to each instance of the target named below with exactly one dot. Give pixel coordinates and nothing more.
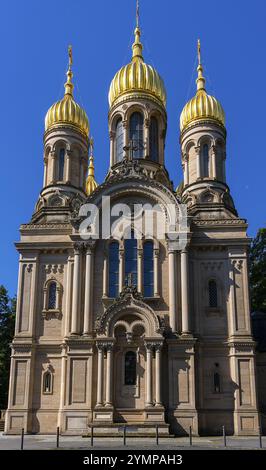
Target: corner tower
(66, 142)
(203, 149)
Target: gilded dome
(202, 105)
(67, 111)
(137, 77)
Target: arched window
(119, 141)
(216, 379)
(205, 160)
(148, 269)
(47, 382)
(136, 133)
(61, 164)
(113, 269)
(52, 296)
(131, 257)
(154, 140)
(213, 297)
(130, 368)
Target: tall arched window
(130, 368)
(205, 160)
(131, 257)
(119, 141)
(136, 133)
(148, 289)
(154, 140)
(47, 382)
(61, 164)
(213, 297)
(52, 296)
(113, 269)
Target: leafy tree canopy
(7, 325)
(258, 272)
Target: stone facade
(195, 362)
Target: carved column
(184, 291)
(112, 148)
(76, 289)
(158, 398)
(213, 161)
(121, 269)
(197, 151)
(53, 162)
(68, 295)
(156, 272)
(88, 289)
(172, 287)
(68, 163)
(45, 172)
(146, 149)
(140, 270)
(109, 375)
(100, 348)
(186, 175)
(149, 350)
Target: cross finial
(70, 57)
(131, 148)
(199, 54)
(137, 14)
(91, 143)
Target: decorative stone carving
(29, 268)
(129, 297)
(53, 268)
(212, 265)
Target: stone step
(2, 425)
(133, 430)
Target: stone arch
(129, 304)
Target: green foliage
(7, 326)
(258, 272)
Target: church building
(127, 329)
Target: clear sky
(34, 37)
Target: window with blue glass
(61, 164)
(119, 141)
(131, 262)
(205, 160)
(148, 288)
(154, 142)
(52, 296)
(136, 134)
(130, 368)
(113, 269)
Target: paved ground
(70, 442)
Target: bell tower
(66, 142)
(203, 150)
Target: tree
(258, 272)
(7, 326)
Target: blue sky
(34, 37)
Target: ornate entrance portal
(129, 342)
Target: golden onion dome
(137, 78)
(91, 184)
(67, 111)
(201, 106)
